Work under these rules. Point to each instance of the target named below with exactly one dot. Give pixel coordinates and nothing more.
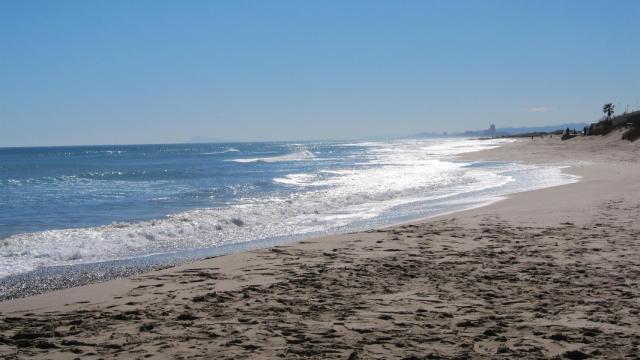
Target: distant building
(491, 132)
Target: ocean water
(87, 204)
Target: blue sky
(117, 72)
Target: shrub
(632, 134)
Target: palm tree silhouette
(608, 109)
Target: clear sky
(116, 72)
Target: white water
(229, 150)
(392, 180)
(296, 156)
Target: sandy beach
(542, 274)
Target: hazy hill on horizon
(503, 131)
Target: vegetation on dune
(609, 122)
(608, 109)
(632, 134)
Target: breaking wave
(355, 189)
(296, 156)
(229, 150)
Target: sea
(67, 206)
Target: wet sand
(546, 273)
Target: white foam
(364, 144)
(110, 152)
(391, 175)
(228, 150)
(296, 179)
(295, 156)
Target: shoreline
(59, 277)
(542, 273)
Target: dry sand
(546, 273)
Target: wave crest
(221, 152)
(295, 156)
